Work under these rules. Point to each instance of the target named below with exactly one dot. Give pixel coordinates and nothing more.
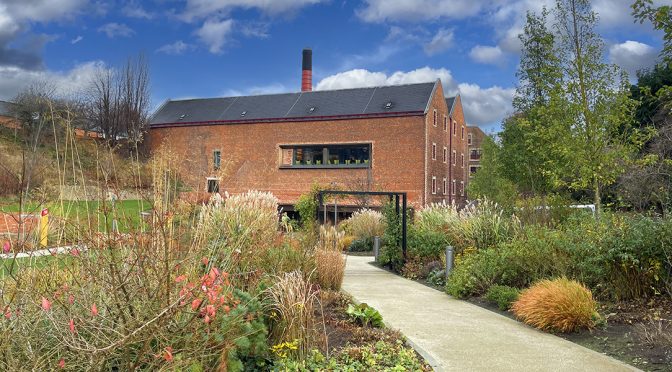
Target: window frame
(445, 154)
(435, 118)
(462, 133)
(454, 186)
(433, 185)
(217, 162)
(367, 163)
(469, 138)
(461, 188)
(445, 186)
(433, 151)
(454, 127)
(445, 123)
(462, 157)
(216, 188)
(454, 157)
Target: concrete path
(455, 335)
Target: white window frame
(454, 187)
(462, 157)
(469, 138)
(454, 159)
(433, 151)
(433, 185)
(461, 188)
(445, 186)
(445, 123)
(435, 118)
(445, 154)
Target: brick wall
(251, 155)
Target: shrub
(557, 305)
(292, 300)
(366, 223)
(391, 254)
(361, 245)
(426, 243)
(537, 254)
(503, 296)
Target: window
(326, 156)
(475, 154)
(445, 154)
(462, 156)
(445, 186)
(433, 151)
(433, 185)
(462, 132)
(454, 183)
(454, 159)
(445, 123)
(461, 188)
(213, 185)
(473, 169)
(454, 127)
(434, 122)
(217, 159)
(469, 139)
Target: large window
(326, 156)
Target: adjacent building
(475, 138)
(404, 138)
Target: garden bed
(631, 333)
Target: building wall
(251, 155)
(477, 136)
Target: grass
(38, 262)
(126, 211)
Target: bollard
(44, 228)
(376, 247)
(449, 260)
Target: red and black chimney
(307, 71)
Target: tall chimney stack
(307, 71)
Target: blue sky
(205, 48)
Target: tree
(599, 107)
(661, 18)
(530, 153)
(119, 101)
(489, 182)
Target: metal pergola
(394, 197)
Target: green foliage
(534, 255)
(250, 348)
(617, 257)
(660, 17)
(391, 253)
(361, 245)
(365, 315)
(502, 295)
(425, 242)
(378, 356)
(489, 182)
(306, 205)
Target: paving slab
(455, 335)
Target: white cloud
(273, 88)
(481, 106)
(175, 48)
(485, 106)
(42, 10)
(491, 55)
(215, 34)
(419, 10)
(77, 39)
(442, 41)
(15, 79)
(207, 8)
(632, 56)
(135, 10)
(114, 29)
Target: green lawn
(127, 212)
(36, 262)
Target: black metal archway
(394, 197)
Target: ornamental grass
(560, 305)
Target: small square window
(433, 151)
(433, 185)
(213, 185)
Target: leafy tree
(599, 106)
(660, 17)
(489, 182)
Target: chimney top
(307, 70)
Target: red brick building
(405, 138)
(475, 138)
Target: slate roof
(450, 101)
(6, 108)
(314, 105)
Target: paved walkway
(455, 335)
